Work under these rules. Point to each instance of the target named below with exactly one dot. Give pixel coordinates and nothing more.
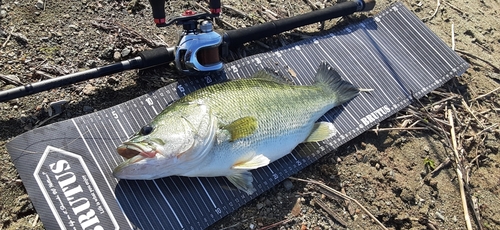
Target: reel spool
(198, 49)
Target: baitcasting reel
(198, 48)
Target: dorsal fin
(268, 74)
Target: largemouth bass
(230, 128)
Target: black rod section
(146, 59)
(235, 38)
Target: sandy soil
(388, 172)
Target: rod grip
(156, 56)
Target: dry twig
(312, 5)
(337, 193)
(454, 7)
(478, 58)
(35, 221)
(459, 171)
(43, 74)
(237, 11)
(275, 224)
(8, 37)
(452, 36)
(322, 204)
(10, 80)
(114, 25)
(398, 129)
(438, 3)
(486, 94)
(218, 19)
(443, 164)
(471, 113)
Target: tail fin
(330, 80)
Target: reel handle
(158, 7)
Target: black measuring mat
(67, 166)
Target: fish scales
(281, 107)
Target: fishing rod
(199, 48)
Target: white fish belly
(223, 156)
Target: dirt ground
(387, 169)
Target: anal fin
(321, 131)
(256, 162)
(243, 181)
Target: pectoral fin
(241, 128)
(256, 162)
(321, 131)
(242, 181)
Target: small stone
(339, 159)
(440, 216)
(433, 183)
(28, 127)
(40, 4)
(288, 185)
(407, 196)
(88, 109)
(107, 53)
(3, 13)
(260, 206)
(252, 226)
(297, 207)
(57, 107)
(117, 55)
(91, 63)
(73, 26)
(125, 52)
(89, 89)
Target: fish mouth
(119, 172)
(131, 149)
(134, 152)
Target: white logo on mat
(71, 192)
(373, 116)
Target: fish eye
(147, 129)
